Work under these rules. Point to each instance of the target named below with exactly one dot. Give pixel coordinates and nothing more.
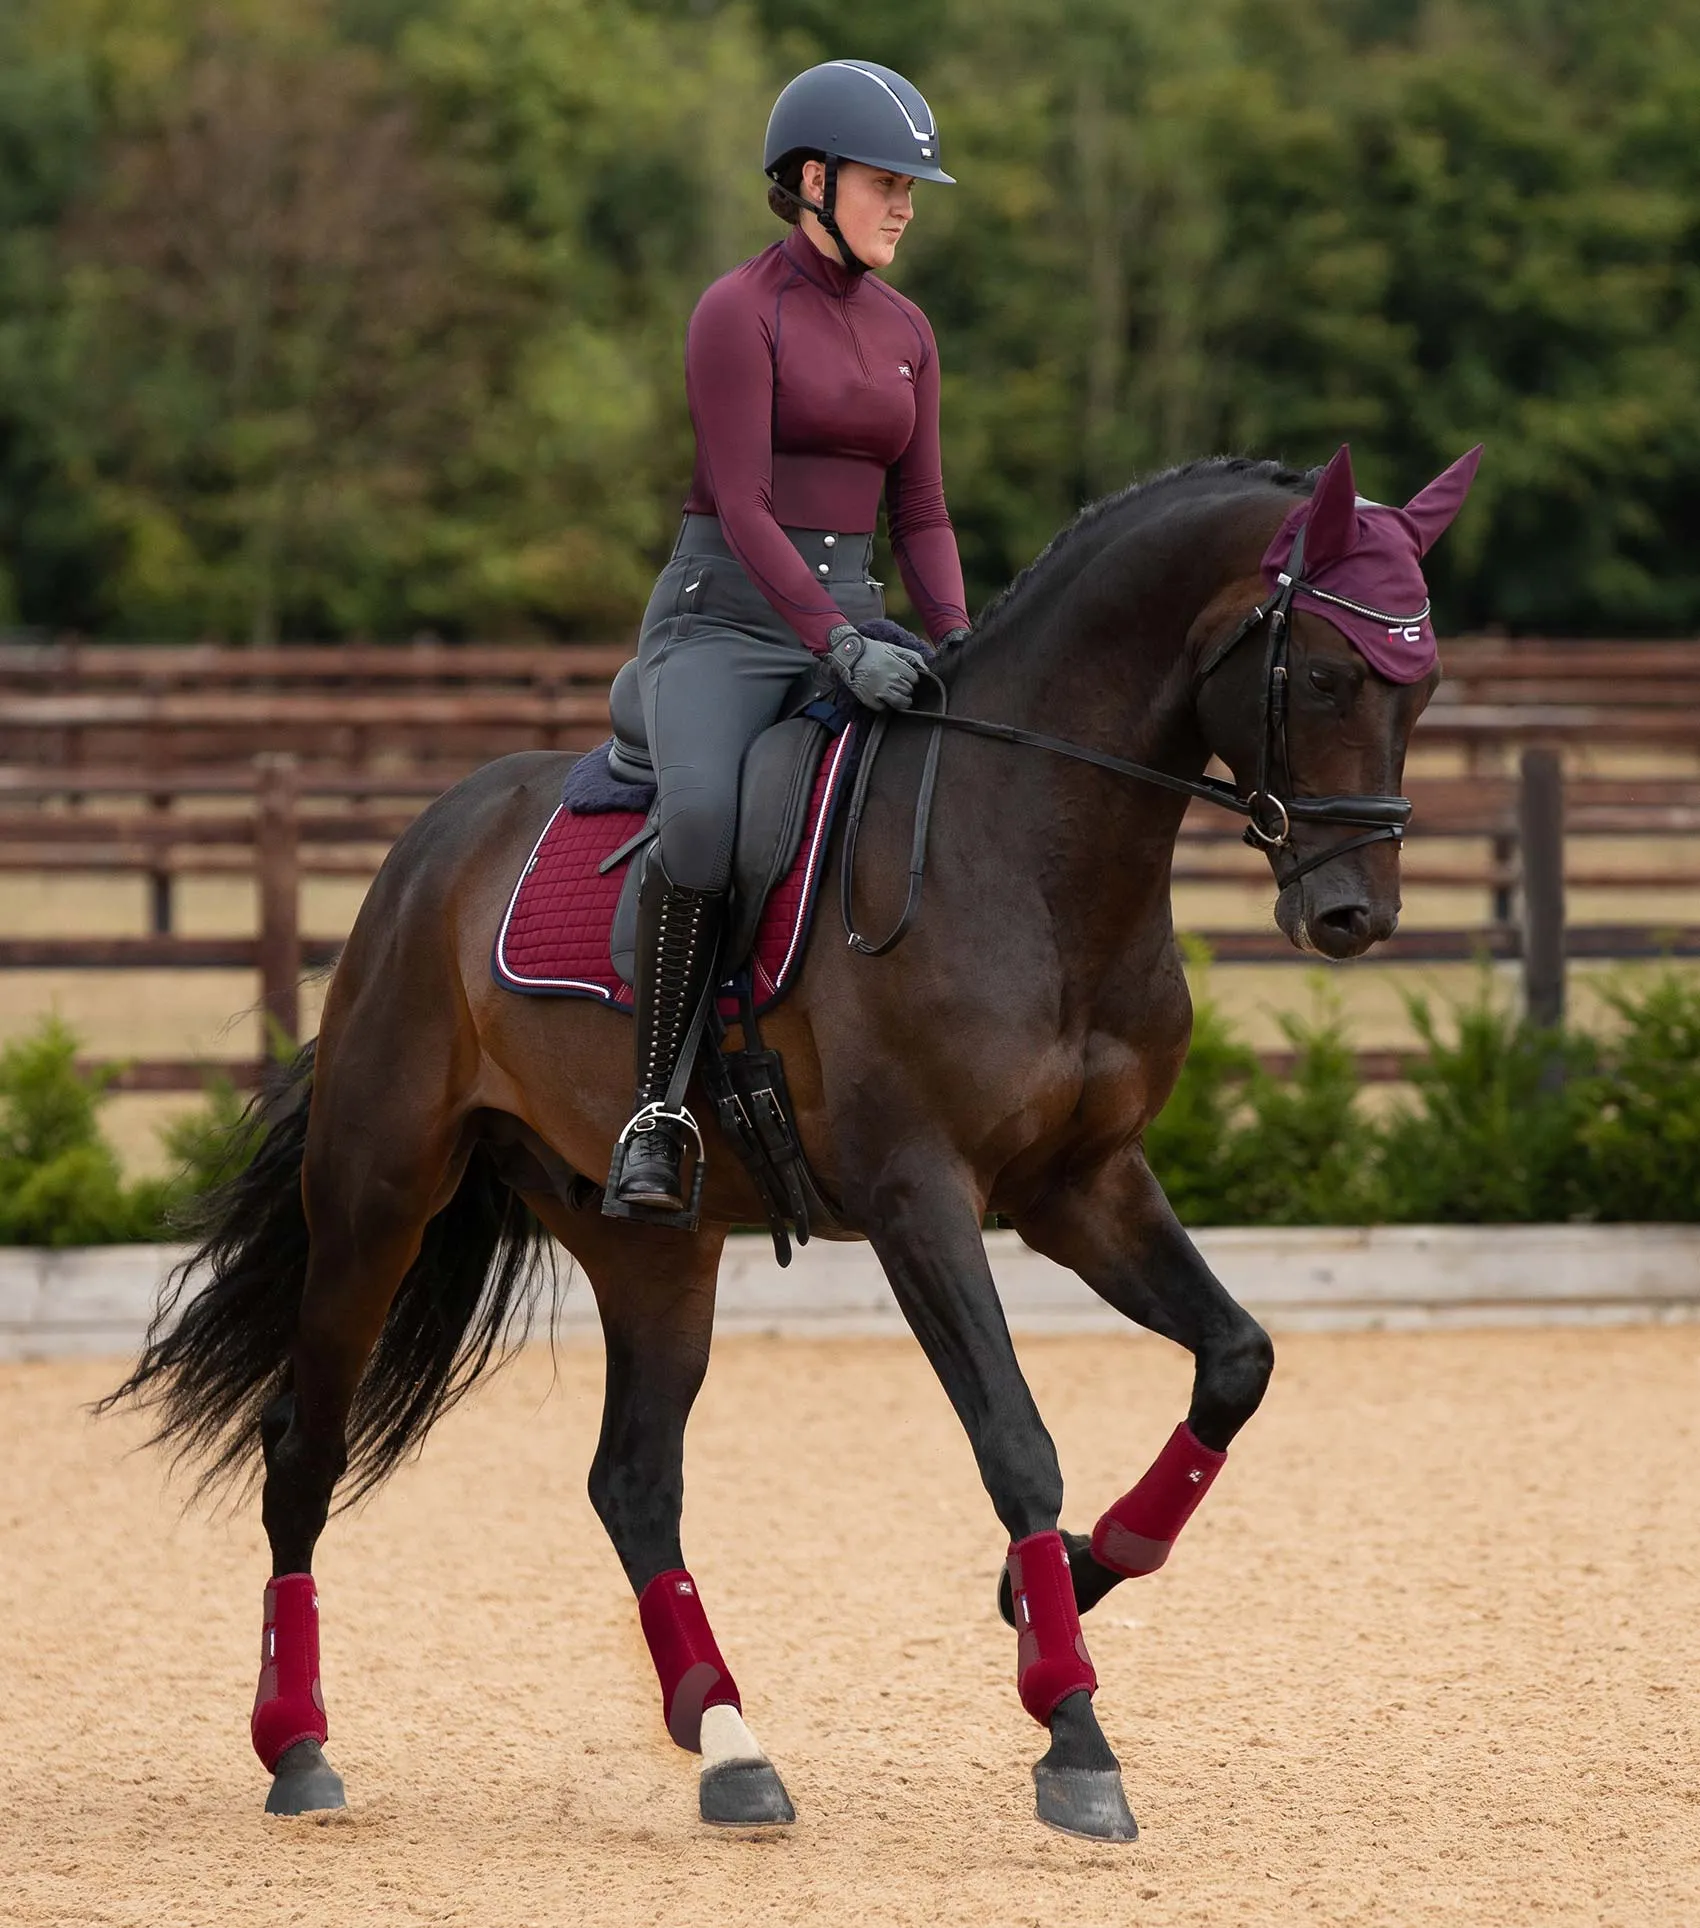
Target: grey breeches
(716, 666)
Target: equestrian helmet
(855, 110)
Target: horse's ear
(1431, 510)
(1331, 528)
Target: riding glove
(876, 673)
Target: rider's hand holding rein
(880, 674)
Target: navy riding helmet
(852, 110)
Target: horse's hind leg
(1114, 1227)
(655, 1293)
(366, 1215)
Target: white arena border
(97, 1300)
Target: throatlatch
(1051, 1661)
(289, 1704)
(688, 1663)
(1135, 1535)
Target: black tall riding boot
(678, 942)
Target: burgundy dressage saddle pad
(555, 940)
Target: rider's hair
(789, 175)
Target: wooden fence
(285, 763)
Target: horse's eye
(1324, 680)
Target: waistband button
(826, 568)
(830, 540)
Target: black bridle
(1269, 816)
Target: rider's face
(874, 206)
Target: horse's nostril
(1350, 920)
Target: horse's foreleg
(926, 1231)
(1116, 1230)
(655, 1293)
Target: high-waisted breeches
(717, 665)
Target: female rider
(813, 389)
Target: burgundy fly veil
(1362, 566)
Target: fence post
(278, 866)
(1486, 760)
(1540, 822)
(160, 880)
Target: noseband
(1269, 816)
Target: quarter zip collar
(823, 270)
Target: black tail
(211, 1365)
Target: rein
(1269, 820)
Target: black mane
(1207, 468)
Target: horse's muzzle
(1338, 922)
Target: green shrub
(1237, 1145)
(1306, 1154)
(46, 1106)
(1506, 1123)
(1640, 1127)
(60, 1180)
(1493, 1134)
(76, 1198)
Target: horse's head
(1311, 700)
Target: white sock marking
(726, 1738)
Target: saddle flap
(774, 789)
(622, 933)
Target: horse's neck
(1101, 665)
(1105, 667)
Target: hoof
(1085, 1800)
(744, 1794)
(304, 1782)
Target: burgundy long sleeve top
(813, 391)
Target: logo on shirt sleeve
(906, 371)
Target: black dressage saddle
(773, 805)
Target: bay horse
(389, 1237)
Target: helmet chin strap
(827, 215)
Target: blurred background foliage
(364, 317)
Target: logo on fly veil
(1407, 633)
